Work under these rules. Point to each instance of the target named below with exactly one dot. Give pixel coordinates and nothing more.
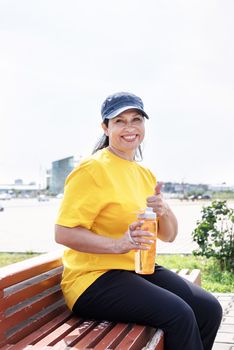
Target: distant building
(60, 170)
(19, 182)
(20, 190)
(221, 187)
(175, 187)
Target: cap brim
(123, 109)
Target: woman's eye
(119, 121)
(137, 120)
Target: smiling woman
(121, 123)
(125, 132)
(97, 222)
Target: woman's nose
(129, 126)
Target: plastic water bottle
(145, 259)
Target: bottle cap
(148, 213)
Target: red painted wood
(55, 329)
(160, 345)
(78, 335)
(136, 339)
(29, 310)
(42, 328)
(58, 333)
(91, 338)
(15, 273)
(156, 342)
(6, 347)
(113, 337)
(29, 291)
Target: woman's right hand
(84, 240)
(134, 238)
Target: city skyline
(58, 63)
(47, 172)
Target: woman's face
(126, 131)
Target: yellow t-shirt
(102, 194)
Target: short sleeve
(153, 178)
(82, 199)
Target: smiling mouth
(129, 138)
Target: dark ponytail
(103, 142)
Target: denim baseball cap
(119, 102)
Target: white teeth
(129, 138)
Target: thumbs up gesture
(157, 202)
(158, 188)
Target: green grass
(212, 278)
(10, 258)
(228, 195)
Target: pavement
(225, 337)
(28, 225)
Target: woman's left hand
(167, 224)
(157, 201)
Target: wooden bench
(33, 314)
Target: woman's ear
(105, 129)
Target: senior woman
(95, 218)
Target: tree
(214, 234)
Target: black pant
(188, 315)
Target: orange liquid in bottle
(145, 259)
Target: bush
(215, 234)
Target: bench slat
(29, 291)
(183, 272)
(156, 342)
(136, 338)
(83, 330)
(18, 272)
(57, 318)
(59, 333)
(195, 276)
(84, 335)
(27, 311)
(93, 336)
(114, 336)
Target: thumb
(158, 187)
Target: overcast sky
(60, 59)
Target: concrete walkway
(225, 336)
(30, 226)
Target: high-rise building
(60, 169)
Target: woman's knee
(183, 316)
(187, 314)
(208, 312)
(215, 310)
(183, 331)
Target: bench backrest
(30, 296)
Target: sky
(60, 59)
